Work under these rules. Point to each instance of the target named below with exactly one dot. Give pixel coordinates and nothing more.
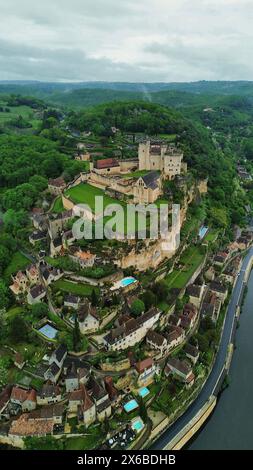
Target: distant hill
(85, 94)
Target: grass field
(15, 111)
(84, 290)
(191, 259)
(58, 206)
(17, 263)
(85, 194)
(88, 441)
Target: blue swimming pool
(48, 331)
(202, 232)
(137, 425)
(143, 392)
(130, 406)
(127, 281)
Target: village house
(195, 293)
(58, 222)
(26, 399)
(56, 247)
(107, 166)
(20, 283)
(211, 306)
(146, 371)
(36, 294)
(109, 386)
(49, 394)
(52, 373)
(210, 274)
(182, 370)
(191, 352)
(220, 290)
(71, 301)
(88, 319)
(221, 258)
(132, 331)
(52, 412)
(72, 379)
(174, 335)
(37, 236)
(85, 259)
(32, 273)
(87, 411)
(157, 342)
(59, 355)
(189, 316)
(25, 427)
(56, 186)
(229, 274)
(39, 222)
(101, 398)
(50, 274)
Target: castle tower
(143, 155)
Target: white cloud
(144, 40)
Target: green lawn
(136, 174)
(58, 206)
(84, 290)
(17, 263)
(191, 259)
(85, 194)
(89, 441)
(212, 235)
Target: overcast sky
(126, 40)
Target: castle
(161, 157)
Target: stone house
(56, 186)
(49, 394)
(146, 371)
(36, 294)
(26, 399)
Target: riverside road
(211, 383)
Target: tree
(94, 298)
(149, 299)
(39, 310)
(15, 220)
(137, 307)
(76, 336)
(142, 410)
(18, 330)
(39, 182)
(161, 289)
(4, 295)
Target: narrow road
(214, 376)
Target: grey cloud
(130, 40)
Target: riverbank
(219, 371)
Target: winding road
(210, 386)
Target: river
(230, 425)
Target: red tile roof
(141, 366)
(106, 163)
